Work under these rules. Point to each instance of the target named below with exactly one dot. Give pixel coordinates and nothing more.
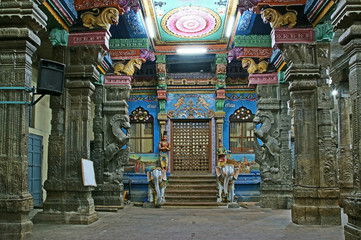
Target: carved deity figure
(202, 102)
(180, 102)
(277, 20)
(109, 16)
(164, 147)
(252, 67)
(221, 155)
(129, 68)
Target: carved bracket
(264, 78)
(286, 35)
(90, 38)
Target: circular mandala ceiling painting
(191, 22)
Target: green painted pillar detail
(221, 58)
(160, 59)
(324, 32)
(220, 105)
(281, 77)
(221, 81)
(58, 37)
(161, 105)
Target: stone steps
(191, 191)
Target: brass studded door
(191, 141)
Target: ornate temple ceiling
(187, 21)
(191, 23)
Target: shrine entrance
(192, 146)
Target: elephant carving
(226, 175)
(157, 179)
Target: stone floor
(182, 224)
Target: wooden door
(191, 146)
(35, 161)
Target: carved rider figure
(163, 147)
(221, 154)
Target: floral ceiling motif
(191, 22)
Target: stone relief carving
(268, 154)
(116, 151)
(299, 53)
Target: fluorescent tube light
(191, 50)
(230, 26)
(150, 27)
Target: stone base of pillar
(353, 211)
(276, 197)
(67, 203)
(343, 198)
(15, 226)
(316, 206)
(109, 194)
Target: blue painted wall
(149, 103)
(233, 102)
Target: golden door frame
(210, 150)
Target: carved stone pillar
(111, 138)
(18, 42)
(274, 157)
(68, 201)
(344, 155)
(315, 192)
(346, 16)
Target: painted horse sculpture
(157, 183)
(226, 175)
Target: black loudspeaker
(50, 77)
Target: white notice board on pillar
(87, 168)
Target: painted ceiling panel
(130, 26)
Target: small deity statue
(221, 154)
(163, 151)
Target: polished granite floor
(182, 224)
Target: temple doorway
(191, 146)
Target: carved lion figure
(109, 16)
(128, 68)
(252, 67)
(276, 19)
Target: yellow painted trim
(101, 69)
(323, 13)
(56, 16)
(282, 65)
(240, 91)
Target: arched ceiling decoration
(191, 22)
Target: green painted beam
(135, 43)
(253, 41)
